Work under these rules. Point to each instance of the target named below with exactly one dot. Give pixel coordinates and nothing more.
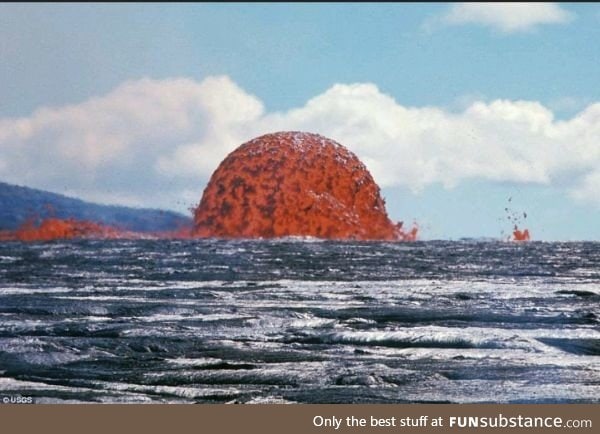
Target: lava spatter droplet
(517, 219)
(294, 184)
(521, 235)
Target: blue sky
(454, 108)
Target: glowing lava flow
(294, 184)
(66, 229)
(54, 228)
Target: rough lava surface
(294, 184)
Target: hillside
(18, 204)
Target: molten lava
(519, 235)
(517, 219)
(277, 185)
(294, 184)
(64, 229)
(411, 235)
(54, 228)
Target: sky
(459, 111)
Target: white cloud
(110, 145)
(515, 141)
(156, 142)
(507, 17)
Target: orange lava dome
(294, 184)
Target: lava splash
(517, 218)
(294, 184)
(521, 235)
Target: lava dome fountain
(294, 184)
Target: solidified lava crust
(294, 184)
